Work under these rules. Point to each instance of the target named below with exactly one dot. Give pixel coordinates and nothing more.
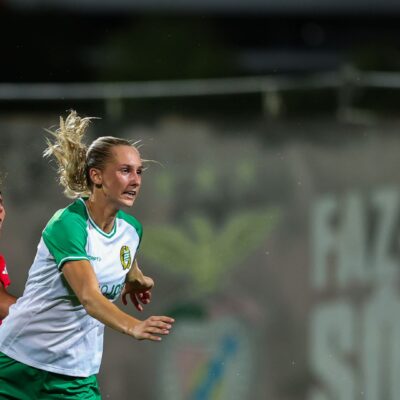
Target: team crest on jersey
(125, 257)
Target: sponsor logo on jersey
(125, 257)
(111, 291)
(94, 258)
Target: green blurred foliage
(165, 49)
(205, 252)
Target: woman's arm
(6, 300)
(135, 276)
(138, 287)
(83, 281)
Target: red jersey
(4, 278)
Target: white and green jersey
(48, 328)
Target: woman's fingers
(153, 326)
(135, 301)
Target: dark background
(78, 44)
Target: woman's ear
(96, 177)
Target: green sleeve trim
(66, 259)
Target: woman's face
(121, 177)
(2, 211)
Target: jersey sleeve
(65, 236)
(4, 278)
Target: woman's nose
(136, 178)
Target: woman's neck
(102, 214)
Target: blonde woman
(52, 340)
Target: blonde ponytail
(70, 154)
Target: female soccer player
(51, 343)
(6, 299)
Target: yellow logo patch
(125, 257)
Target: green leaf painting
(205, 252)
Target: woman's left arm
(138, 287)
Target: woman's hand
(138, 291)
(138, 287)
(152, 328)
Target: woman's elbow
(90, 303)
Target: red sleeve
(4, 278)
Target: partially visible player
(51, 343)
(6, 299)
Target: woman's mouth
(130, 193)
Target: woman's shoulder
(75, 213)
(131, 220)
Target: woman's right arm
(83, 281)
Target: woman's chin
(127, 201)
